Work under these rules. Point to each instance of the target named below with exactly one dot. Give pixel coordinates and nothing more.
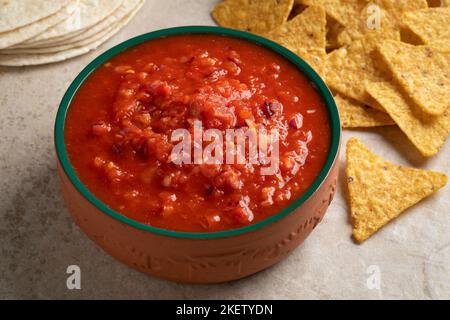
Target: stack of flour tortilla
(34, 32)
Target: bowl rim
(321, 87)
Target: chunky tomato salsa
(120, 127)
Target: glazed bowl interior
(301, 65)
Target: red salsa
(119, 128)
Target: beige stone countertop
(38, 239)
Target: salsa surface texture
(119, 125)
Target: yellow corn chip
(382, 17)
(427, 133)
(297, 8)
(434, 3)
(257, 16)
(422, 72)
(355, 32)
(366, 22)
(380, 191)
(334, 28)
(356, 115)
(438, 3)
(410, 37)
(397, 7)
(305, 36)
(348, 69)
(343, 11)
(316, 58)
(441, 45)
(431, 26)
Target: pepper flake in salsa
(120, 133)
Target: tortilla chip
(358, 27)
(390, 12)
(296, 10)
(427, 133)
(441, 45)
(257, 16)
(350, 67)
(356, 115)
(438, 3)
(431, 26)
(355, 32)
(343, 11)
(422, 72)
(396, 8)
(316, 58)
(334, 28)
(380, 191)
(305, 35)
(434, 3)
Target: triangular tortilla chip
(348, 69)
(382, 18)
(343, 11)
(431, 26)
(427, 133)
(356, 17)
(305, 35)
(334, 29)
(380, 191)
(356, 115)
(423, 72)
(254, 16)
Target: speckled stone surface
(38, 239)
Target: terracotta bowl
(199, 257)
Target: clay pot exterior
(198, 258)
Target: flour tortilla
(19, 35)
(64, 47)
(90, 13)
(74, 39)
(25, 45)
(38, 59)
(19, 13)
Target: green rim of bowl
(290, 56)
